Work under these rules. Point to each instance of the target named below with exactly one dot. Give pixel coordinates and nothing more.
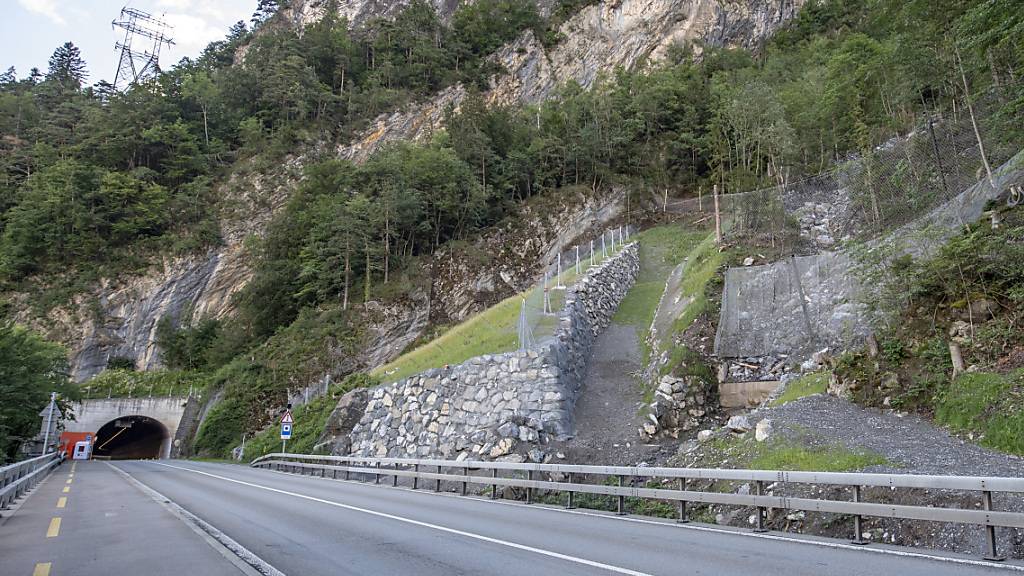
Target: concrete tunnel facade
(126, 428)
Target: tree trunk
(348, 272)
(206, 127)
(974, 122)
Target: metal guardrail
(17, 478)
(411, 468)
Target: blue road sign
(286, 431)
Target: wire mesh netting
(540, 306)
(865, 196)
(935, 177)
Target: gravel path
(918, 446)
(608, 405)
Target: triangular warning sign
(287, 418)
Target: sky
(31, 29)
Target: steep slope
(119, 318)
(599, 39)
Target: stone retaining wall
(486, 406)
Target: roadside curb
(241, 557)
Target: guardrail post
(416, 477)
(529, 490)
(494, 487)
(570, 504)
(394, 478)
(437, 483)
(465, 485)
(762, 512)
(682, 519)
(348, 472)
(621, 511)
(334, 473)
(990, 532)
(376, 476)
(858, 530)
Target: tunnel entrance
(131, 438)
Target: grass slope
(662, 248)
(806, 385)
(990, 405)
(492, 331)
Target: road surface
(114, 522)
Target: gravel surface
(608, 405)
(909, 441)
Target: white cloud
(47, 8)
(191, 34)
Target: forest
(95, 183)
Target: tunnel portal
(131, 438)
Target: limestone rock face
(609, 34)
(119, 317)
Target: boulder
(763, 430)
(346, 414)
(738, 424)
(704, 435)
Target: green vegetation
(791, 455)
(990, 405)
(806, 385)
(128, 383)
(662, 248)
(30, 368)
(310, 420)
(967, 293)
(96, 183)
(794, 457)
(702, 267)
(492, 331)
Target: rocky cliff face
(610, 34)
(119, 317)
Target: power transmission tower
(136, 65)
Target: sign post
(286, 428)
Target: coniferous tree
(67, 67)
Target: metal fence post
(682, 519)
(990, 532)
(621, 511)
(529, 490)
(858, 529)
(416, 476)
(762, 512)
(570, 504)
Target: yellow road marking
(69, 480)
(54, 529)
(62, 502)
(67, 489)
(42, 569)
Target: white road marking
(693, 526)
(241, 557)
(540, 551)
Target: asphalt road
(85, 518)
(308, 526)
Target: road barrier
(564, 478)
(17, 478)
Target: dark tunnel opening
(130, 438)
